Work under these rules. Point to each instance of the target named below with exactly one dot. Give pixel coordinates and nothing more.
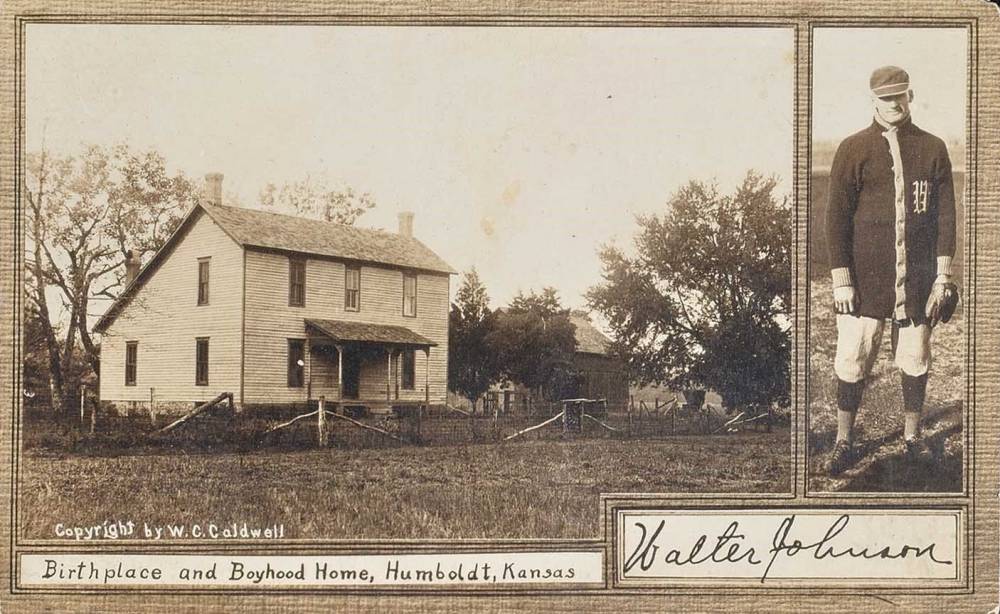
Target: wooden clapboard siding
(373, 380)
(270, 321)
(164, 318)
(323, 367)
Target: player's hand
(941, 303)
(845, 299)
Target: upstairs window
(409, 295)
(296, 363)
(131, 356)
(409, 375)
(352, 288)
(203, 281)
(296, 282)
(201, 361)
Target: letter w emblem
(920, 196)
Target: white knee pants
(858, 342)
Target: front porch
(368, 367)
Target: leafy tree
(311, 197)
(534, 341)
(705, 299)
(472, 367)
(84, 214)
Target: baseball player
(890, 230)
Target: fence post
(152, 412)
(469, 421)
(83, 397)
(93, 420)
(321, 421)
(420, 413)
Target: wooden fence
(318, 426)
(441, 425)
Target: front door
(352, 372)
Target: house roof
(262, 229)
(251, 227)
(588, 339)
(340, 330)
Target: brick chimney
(213, 188)
(132, 265)
(406, 223)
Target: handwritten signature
(730, 547)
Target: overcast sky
(521, 150)
(935, 59)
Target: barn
(278, 310)
(600, 374)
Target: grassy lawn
(530, 489)
(882, 467)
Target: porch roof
(386, 334)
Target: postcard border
(799, 22)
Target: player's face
(893, 109)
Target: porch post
(309, 376)
(340, 378)
(427, 377)
(388, 373)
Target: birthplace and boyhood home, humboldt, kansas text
(278, 310)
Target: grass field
(882, 467)
(531, 489)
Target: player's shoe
(917, 450)
(841, 459)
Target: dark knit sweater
(861, 216)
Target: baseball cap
(889, 81)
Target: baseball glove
(942, 302)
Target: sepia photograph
(564, 306)
(367, 282)
(887, 326)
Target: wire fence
(316, 426)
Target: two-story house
(279, 310)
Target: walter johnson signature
(731, 546)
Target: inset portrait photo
(887, 336)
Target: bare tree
(85, 213)
(48, 182)
(312, 197)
